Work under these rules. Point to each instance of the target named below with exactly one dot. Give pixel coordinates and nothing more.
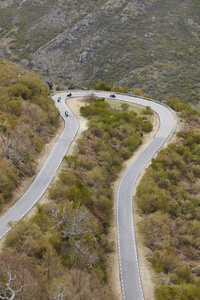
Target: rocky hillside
(147, 44)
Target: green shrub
(8, 180)
(163, 261)
(147, 111)
(125, 106)
(147, 126)
(132, 142)
(105, 205)
(20, 90)
(14, 107)
(102, 86)
(181, 292)
(165, 292)
(149, 197)
(182, 274)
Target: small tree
(102, 86)
(61, 294)
(91, 98)
(7, 285)
(137, 92)
(125, 106)
(71, 224)
(147, 110)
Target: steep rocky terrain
(150, 44)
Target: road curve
(128, 261)
(128, 258)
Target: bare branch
(13, 149)
(70, 224)
(9, 293)
(61, 294)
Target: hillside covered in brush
(168, 198)
(28, 118)
(151, 44)
(64, 248)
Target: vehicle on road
(69, 95)
(59, 99)
(112, 96)
(66, 113)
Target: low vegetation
(169, 200)
(152, 45)
(28, 118)
(63, 249)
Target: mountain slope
(28, 119)
(153, 45)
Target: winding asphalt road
(46, 174)
(128, 258)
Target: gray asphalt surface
(128, 259)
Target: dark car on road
(112, 96)
(66, 113)
(69, 95)
(59, 99)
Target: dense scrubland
(168, 198)
(28, 118)
(63, 248)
